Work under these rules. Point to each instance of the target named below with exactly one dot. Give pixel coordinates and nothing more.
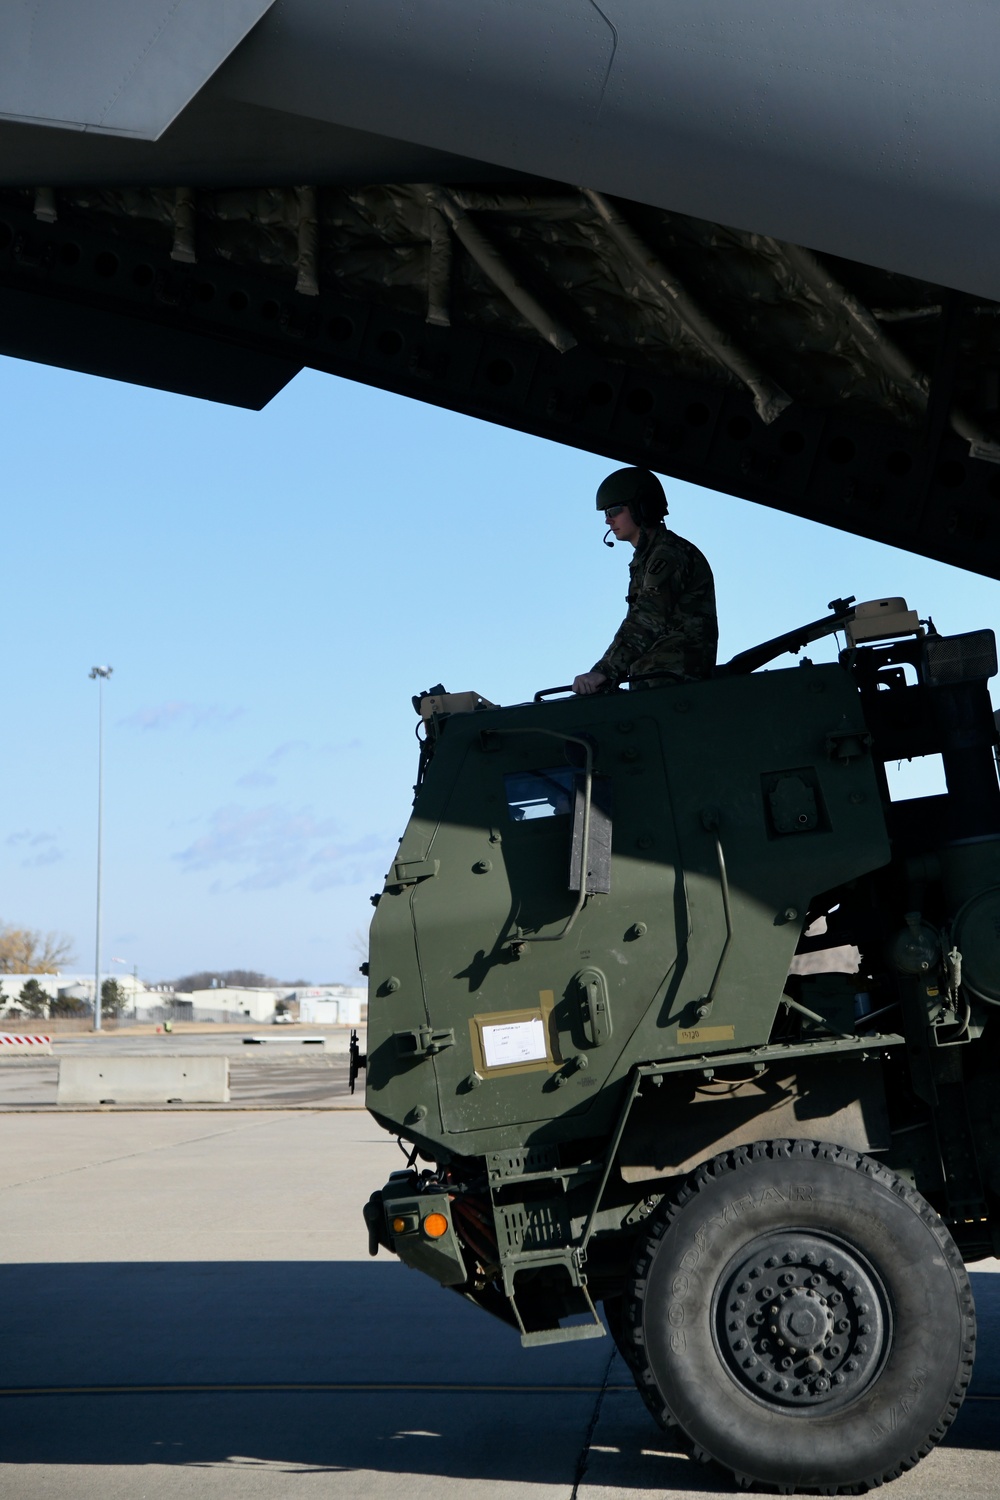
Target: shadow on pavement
(85, 1325)
(503, 1439)
(986, 1290)
(369, 1323)
(162, 1322)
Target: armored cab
(681, 1013)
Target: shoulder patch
(657, 566)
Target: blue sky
(270, 589)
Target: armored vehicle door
(541, 1004)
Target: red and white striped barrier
(20, 1043)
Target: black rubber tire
(851, 1247)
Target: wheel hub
(801, 1320)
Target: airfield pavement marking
(374, 1387)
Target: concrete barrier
(16, 1044)
(143, 1080)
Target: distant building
(66, 987)
(319, 1005)
(229, 1002)
(10, 987)
(330, 1004)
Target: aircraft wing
(748, 245)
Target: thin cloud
(181, 715)
(269, 846)
(49, 856)
(266, 774)
(287, 748)
(38, 849)
(257, 779)
(261, 776)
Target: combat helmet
(640, 490)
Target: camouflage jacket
(671, 624)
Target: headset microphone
(605, 538)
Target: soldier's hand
(589, 682)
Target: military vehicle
(758, 258)
(675, 1009)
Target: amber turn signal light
(435, 1225)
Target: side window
(540, 794)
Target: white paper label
(514, 1042)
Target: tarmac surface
(187, 1309)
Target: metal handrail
(605, 688)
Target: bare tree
(359, 943)
(25, 950)
(250, 979)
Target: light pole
(102, 674)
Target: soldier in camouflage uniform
(671, 624)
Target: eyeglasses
(612, 511)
